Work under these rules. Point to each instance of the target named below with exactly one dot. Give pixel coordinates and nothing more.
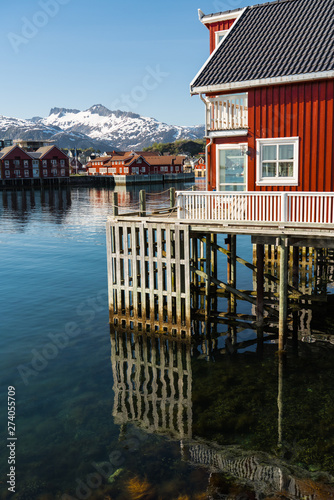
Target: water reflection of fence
(152, 382)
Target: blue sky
(129, 55)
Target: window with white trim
(45, 173)
(7, 173)
(25, 163)
(220, 35)
(277, 161)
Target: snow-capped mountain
(97, 127)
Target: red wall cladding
(303, 110)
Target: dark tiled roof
(276, 39)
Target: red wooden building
(268, 91)
(135, 163)
(46, 163)
(53, 162)
(15, 163)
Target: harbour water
(104, 414)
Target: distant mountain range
(97, 127)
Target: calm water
(103, 414)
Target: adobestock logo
(31, 27)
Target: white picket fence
(311, 207)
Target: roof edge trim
(260, 82)
(222, 16)
(215, 50)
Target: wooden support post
(194, 275)
(280, 401)
(114, 199)
(193, 188)
(231, 269)
(208, 272)
(259, 283)
(142, 202)
(283, 292)
(295, 267)
(172, 197)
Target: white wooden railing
(228, 112)
(312, 208)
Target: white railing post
(180, 206)
(284, 207)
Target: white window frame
(26, 163)
(7, 173)
(243, 147)
(277, 181)
(6, 163)
(45, 173)
(218, 34)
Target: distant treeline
(184, 147)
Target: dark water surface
(104, 414)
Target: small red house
(15, 163)
(268, 90)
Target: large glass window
(232, 168)
(277, 161)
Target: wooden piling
(142, 203)
(114, 200)
(172, 197)
(283, 292)
(231, 268)
(259, 283)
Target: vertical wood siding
(219, 26)
(303, 110)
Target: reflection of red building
(101, 197)
(132, 163)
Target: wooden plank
(178, 274)
(160, 274)
(134, 261)
(169, 274)
(126, 286)
(151, 272)
(143, 272)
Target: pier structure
(163, 270)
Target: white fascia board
(215, 50)
(261, 82)
(224, 16)
(228, 133)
